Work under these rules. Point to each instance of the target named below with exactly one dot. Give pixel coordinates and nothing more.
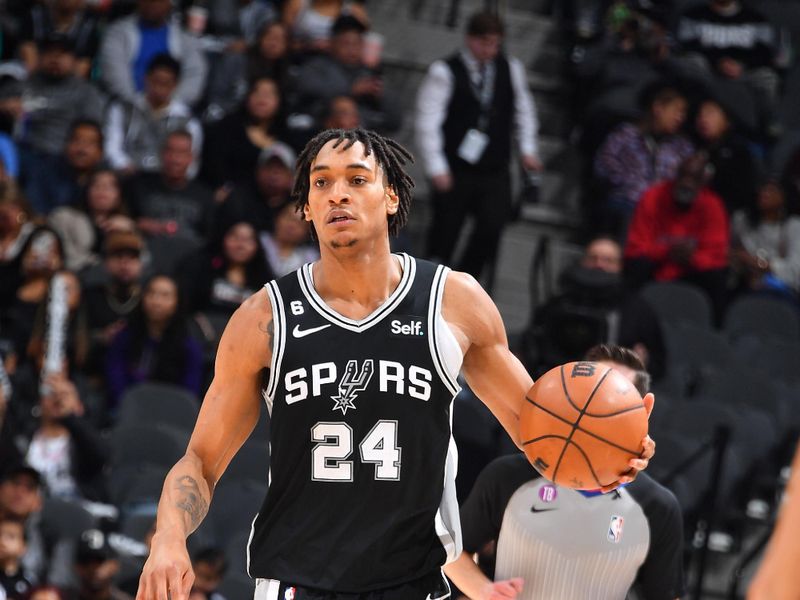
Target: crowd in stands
(147, 151)
(678, 122)
(692, 255)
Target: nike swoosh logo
(299, 333)
(429, 597)
(540, 510)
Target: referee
(555, 543)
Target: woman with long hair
(233, 144)
(218, 280)
(83, 228)
(155, 345)
(269, 56)
(229, 77)
(230, 271)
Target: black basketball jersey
(362, 474)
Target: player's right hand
(502, 590)
(167, 574)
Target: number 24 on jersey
(329, 457)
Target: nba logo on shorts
(289, 594)
(547, 493)
(615, 529)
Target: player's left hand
(637, 464)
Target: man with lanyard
(469, 107)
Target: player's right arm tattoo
(190, 499)
(269, 329)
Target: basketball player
(363, 349)
(554, 543)
(778, 577)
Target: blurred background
(622, 172)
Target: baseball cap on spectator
(345, 23)
(280, 152)
(119, 242)
(93, 546)
(18, 469)
(57, 41)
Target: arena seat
(762, 317)
(742, 387)
(235, 505)
(202, 538)
(236, 551)
(149, 403)
(696, 348)
(778, 359)
(143, 444)
(697, 421)
(65, 519)
(130, 568)
(251, 462)
(678, 302)
(133, 485)
(137, 526)
(688, 484)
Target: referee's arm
(481, 519)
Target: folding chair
(678, 302)
(763, 317)
(159, 403)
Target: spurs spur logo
(352, 382)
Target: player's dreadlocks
(389, 155)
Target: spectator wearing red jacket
(680, 231)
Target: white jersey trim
(445, 350)
(250, 541)
(267, 589)
(448, 520)
(278, 342)
(447, 358)
(306, 278)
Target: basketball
(581, 423)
